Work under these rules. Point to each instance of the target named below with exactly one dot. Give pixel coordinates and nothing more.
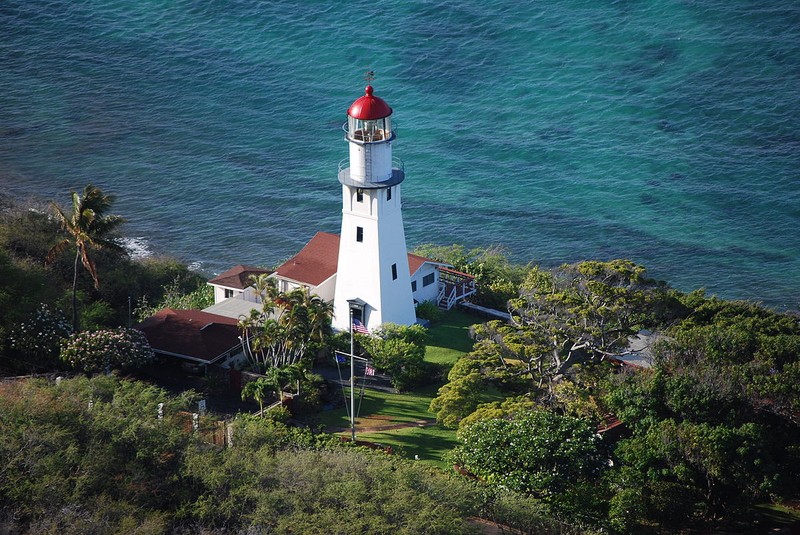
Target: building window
(359, 195)
(389, 194)
(359, 234)
(394, 272)
(228, 293)
(428, 279)
(413, 286)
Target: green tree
(714, 424)
(581, 312)
(496, 277)
(398, 350)
(457, 399)
(536, 452)
(202, 296)
(88, 226)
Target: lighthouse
(373, 284)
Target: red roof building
(193, 335)
(314, 264)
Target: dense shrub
(399, 351)
(538, 452)
(93, 351)
(428, 310)
(39, 337)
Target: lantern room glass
(369, 130)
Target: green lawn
(391, 408)
(447, 341)
(429, 443)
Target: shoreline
(140, 247)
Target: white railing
(452, 299)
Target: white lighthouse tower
(372, 278)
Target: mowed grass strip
(430, 444)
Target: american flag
(359, 327)
(369, 370)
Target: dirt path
(370, 424)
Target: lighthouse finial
(369, 76)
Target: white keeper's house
(366, 270)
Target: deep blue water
(666, 132)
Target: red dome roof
(369, 107)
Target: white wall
(365, 268)
(379, 156)
(430, 292)
(219, 293)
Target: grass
(448, 340)
(429, 443)
(391, 408)
(774, 516)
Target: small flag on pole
(359, 327)
(340, 358)
(369, 370)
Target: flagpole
(352, 383)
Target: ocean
(666, 132)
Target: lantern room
(369, 119)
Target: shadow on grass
(452, 332)
(774, 517)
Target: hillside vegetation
(554, 434)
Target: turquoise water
(666, 132)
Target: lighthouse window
(359, 195)
(428, 279)
(389, 194)
(359, 234)
(394, 272)
(413, 286)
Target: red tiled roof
(415, 262)
(315, 263)
(237, 277)
(191, 333)
(318, 261)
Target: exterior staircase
(454, 286)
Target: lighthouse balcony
(345, 178)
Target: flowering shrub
(94, 351)
(40, 335)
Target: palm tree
(288, 324)
(258, 390)
(88, 227)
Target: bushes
(91, 455)
(39, 337)
(99, 350)
(539, 452)
(428, 310)
(399, 351)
